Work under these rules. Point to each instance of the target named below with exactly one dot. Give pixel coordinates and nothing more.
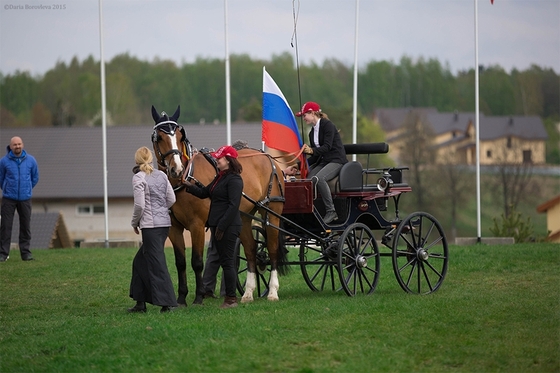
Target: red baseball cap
(307, 107)
(223, 151)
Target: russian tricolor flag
(279, 126)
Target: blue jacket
(18, 175)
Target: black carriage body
(303, 208)
(346, 251)
(356, 195)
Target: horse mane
(240, 144)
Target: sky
(35, 35)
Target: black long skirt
(151, 281)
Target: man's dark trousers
(9, 206)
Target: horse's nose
(175, 171)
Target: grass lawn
(497, 311)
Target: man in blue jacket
(18, 176)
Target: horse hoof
(273, 299)
(246, 300)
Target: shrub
(513, 226)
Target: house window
(489, 154)
(90, 210)
(527, 156)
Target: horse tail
(283, 263)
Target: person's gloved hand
(219, 234)
(188, 184)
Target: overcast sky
(512, 33)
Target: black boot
(165, 309)
(139, 307)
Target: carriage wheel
(358, 260)
(420, 254)
(263, 263)
(318, 266)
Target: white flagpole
(355, 105)
(477, 121)
(228, 98)
(103, 125)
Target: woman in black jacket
(224, 219)
(327, 153)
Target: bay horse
(263, 186)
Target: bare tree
(417, 152)
(513, 176)
(455, 184)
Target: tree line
(70, 94)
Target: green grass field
(497, 311)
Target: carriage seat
(350, 179)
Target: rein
(189, 175)
(295, 156)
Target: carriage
(345, 254)
(342, 255)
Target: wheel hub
(361, 261)
(422, 255)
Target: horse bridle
(170, 127)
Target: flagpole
(228, 95)
(477, 121)
(355, 104)
(103, 125)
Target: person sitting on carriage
(327, 154)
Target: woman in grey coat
(153, 196)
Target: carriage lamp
(384, 182)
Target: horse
(263, 187)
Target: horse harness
(272, 179)
(170, 127)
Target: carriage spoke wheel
(420, 255)
(318, 266)
(358, 260)
(263, 263)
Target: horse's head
(170, 143)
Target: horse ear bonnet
(155, 114)
(164, 117)
(175, 116)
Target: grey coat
(153, 196)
